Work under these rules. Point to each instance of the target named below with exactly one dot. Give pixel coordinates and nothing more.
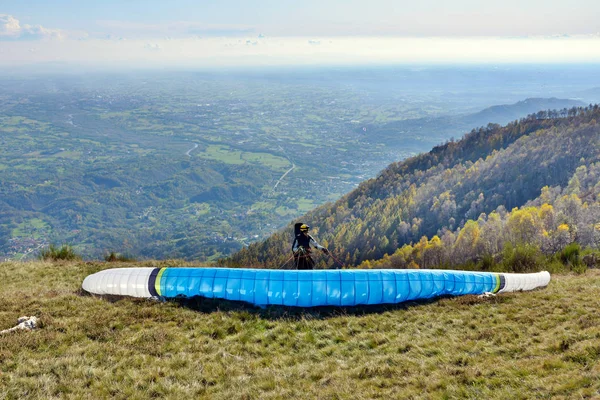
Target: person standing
(302, 248)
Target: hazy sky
(271, 32)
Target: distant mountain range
(432, 131)
(503, 114)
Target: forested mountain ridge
(491, 169)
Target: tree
(467, 241)
(525, 226)
(492, 234)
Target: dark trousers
(304, 261)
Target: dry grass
(542, 344)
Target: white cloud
(11, 29)
(35, 32)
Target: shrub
(487, 263)
(554, 266)
(65, 252)
(523, 258)
(570, 254)
(570, 257)
(115, 257)
(590, 257)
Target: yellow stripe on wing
(497, 283)
(157, 282)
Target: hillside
(546, 159)
(517, 346)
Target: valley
(199, 165)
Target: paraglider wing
(306, 288)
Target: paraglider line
(336, 260)
(285, 263)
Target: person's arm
(295, 245)
(314, 243)
(317, 245)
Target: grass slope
(541, 344)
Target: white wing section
(518, 282)
(120, 281)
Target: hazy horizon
(234, 33)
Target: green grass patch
(303, 144)
(305, 205)
(263, 205)
(222, 153)
(283, 211)
(198, 209)
(25, 167)
(116, 114)
(517, 346)
(266, 159)
(95, 142)
(229, 155)
(18, 120)
(74, 155)
(33, 227)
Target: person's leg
(310, 264)
(303, 262)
